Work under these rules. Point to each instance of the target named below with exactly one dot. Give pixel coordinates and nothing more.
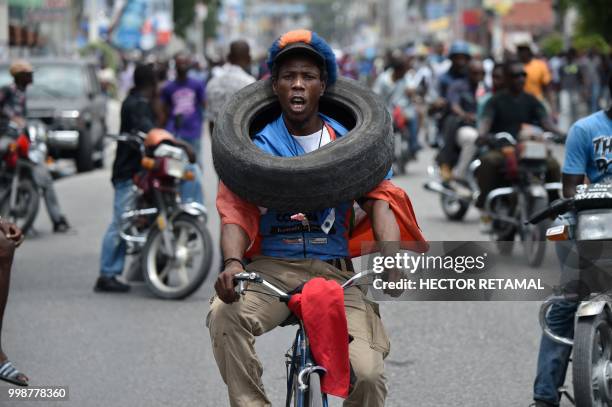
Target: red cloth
(321, 307)
(234, 210)
(362, 238)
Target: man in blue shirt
(588, 153)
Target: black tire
(28, 202)
(315, 396)
(503, 233)
(454, 209)
(99, 145)
(152, 258)
(339, 172)
(592, 347)
(534, 236)
(84, 154)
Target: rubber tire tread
(84, 155)
(455, 216)
(339, 172)
(581, 362)
(204, 269)
(537, 206)
(315, 396)
(33, 205)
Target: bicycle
(303, 374)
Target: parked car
(67, 97)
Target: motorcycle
(592, 341)
(456, 197)
(169, 237)
(19, 193)
(403, 151)
(509, 207)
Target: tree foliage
(552, 44)
(184, 16)
(595, 17)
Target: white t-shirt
(313, 141)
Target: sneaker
(61, 226)
(542, 403)
(110, 284)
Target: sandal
(10, 374)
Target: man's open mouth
(297, 103)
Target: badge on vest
(318, 240)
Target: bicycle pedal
(563, 391)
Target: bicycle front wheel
(314, 396)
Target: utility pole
(201, 12)
(4, 29)
(93, 21)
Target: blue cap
(459, 48)
(308, 42)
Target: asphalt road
(136, 350)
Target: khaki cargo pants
(233, 328)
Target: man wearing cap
(289, 252)
(13, 96)
(13, 110)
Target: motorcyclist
(460, 56)
(588, 154)
(507, 111)
(302, 66)
(460, 143)
(13, 110)
(137, 114)
(394, 87)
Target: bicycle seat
(291, 320)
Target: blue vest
(325, 233)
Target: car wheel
(84, 154)
(339, 172)
(100, 132)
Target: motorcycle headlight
(69, 114)
(69, 119)
(594, 225)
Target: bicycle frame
(301, 363)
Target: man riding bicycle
(293, 252)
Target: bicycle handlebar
(242, 278)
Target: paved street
(136, 350)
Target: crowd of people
(456, 92)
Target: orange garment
(234, 210)
(362, 239)
(538, 76)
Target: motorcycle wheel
(503, 233)
(592, 361)
(28, 200)
(178, 275)
(399, 154)
(454, 209)
(533, 237)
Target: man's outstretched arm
(234, 243)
